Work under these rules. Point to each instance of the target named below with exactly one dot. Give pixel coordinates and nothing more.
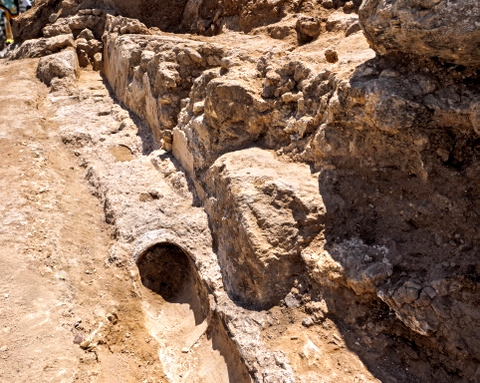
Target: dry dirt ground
(69, 311)
(56, 285)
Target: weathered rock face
(43, 47)
(418, 118)
(206, 17)
(448, 30)
(390, 219)
(383, 238)
(161, 73)
(82, 30)
(59, 65)
(251, 103)
(29, 25)
(49, 18)
(92, 19)
(164, 14)
(263, 212)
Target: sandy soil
(57, 286)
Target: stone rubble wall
(364, 179)
(160, 75)
(220, 104)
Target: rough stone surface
(49, 18)
(308, 29)
(43, 47)
(246, 103)
(263, 212)
(62, 65)
(331, 119)
(76, 24)
(123, 25)
(160, 76)
(340, 192)
(444, 29)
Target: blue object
(11, 5)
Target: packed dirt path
(57, 286)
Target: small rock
(6, 296)
(194, 55)
(52, 18)
(85, 344)
(316, 307)
(307, 322)
(348, 7)
(291, 97)
(86, 34)
(97, 61)
(185, 350)
(308, 28)
(328, 4)
(292, 301)
(294, 337)
(331, 56)
(318, 317)
(198, 108)
(3, 349)
(78, 339)
(58, 65)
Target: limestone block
(263, 212)
(308, 28)
(60, 27)
(43, 46)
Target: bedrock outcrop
(395, 146)
(351, 181)
(444, 29)
(263, 212)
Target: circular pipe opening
(168, 271)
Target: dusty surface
(57, 286)
(283, 205)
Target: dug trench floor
(56, 286)
(72, 304)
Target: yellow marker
(8, 27)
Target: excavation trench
(194, 345)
